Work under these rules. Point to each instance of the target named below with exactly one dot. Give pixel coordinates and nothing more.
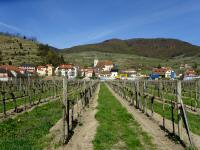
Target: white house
(66, 70)
(132, 73)
(42, 70)
(114, 73)
(168, 73)
(87, 72)
(105, 65)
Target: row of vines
(21, 94)
(175, 101)
(77, 95)
(71, 97)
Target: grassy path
(117, 128)
(29, 130)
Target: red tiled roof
(191, 72)
(162, 70)
(88, 70)
(21, 69)
(40, 67)
(66, 66)
(105, 73)
(9, 67)
(104, 63)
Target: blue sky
(66, 23)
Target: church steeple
(95, 61)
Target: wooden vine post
(145, 98)
(65, 125)
(161, 86)
(29, 91)
(180, 121)
(4, 102)
(198, 90)
(137, 95)
(133, 91)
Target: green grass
(117, 128)
(29, 130)
(193, 119)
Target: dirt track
(160, 138)
(84, 134)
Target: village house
(5, 75)
(105, 65)
(190, 74)
(66, 70)
(105, 75)
(114, 73)
(88, 72)
(163, 72)
(49, 69)
(28, 68)
(185, 66)
(130, 72)
(42, 70)
(45, 70)
(22, 71)
(8, 72)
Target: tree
(62, 60)
(20, 45)
(84, 74)
(195, 66)
(10, 62)
(1, 57)
(159, 66)
(93, 74)
(50, 56)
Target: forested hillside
(156, 48)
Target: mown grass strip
(117, 128)
(29, 130)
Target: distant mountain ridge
(155, 48)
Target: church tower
(95, 61)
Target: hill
(18, 50)
(154, 48)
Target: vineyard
(174, 103)
(19, 95)
(30, 108)
(76, 96)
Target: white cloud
(9, 26)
